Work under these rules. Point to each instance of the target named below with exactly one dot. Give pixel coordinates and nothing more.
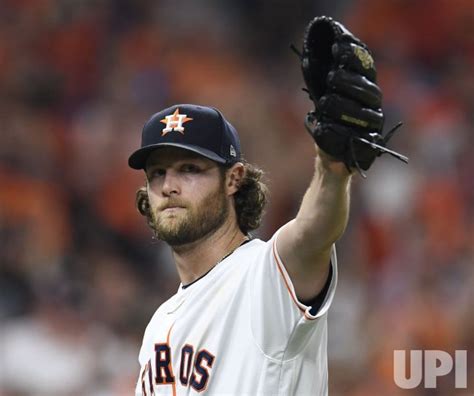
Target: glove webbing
(310, 126)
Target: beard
(192, 223)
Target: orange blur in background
(79, 273)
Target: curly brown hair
(249, 200)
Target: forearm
(324, 211)
(305, 243)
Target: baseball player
(249, 317)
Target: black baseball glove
(341, 80)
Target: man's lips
(171, 208)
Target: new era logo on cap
(200, 129)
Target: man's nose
(170, 183)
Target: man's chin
(170, 231)
(174, 239)
(171, 218)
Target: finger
(348, 112)
(354, 57)
(356, 87)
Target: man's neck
(195, 259)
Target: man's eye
(157, 173)
(189, 168)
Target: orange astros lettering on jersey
(194, 369)
(163, 373)
(187, 353)
(147, 375)
(202, 365)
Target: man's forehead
(169, 155)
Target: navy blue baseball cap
(200, 129)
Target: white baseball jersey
(238, 330)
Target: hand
(331, 164)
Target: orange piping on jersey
(173, 385)
(280, 267)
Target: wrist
(331, 167)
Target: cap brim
(139, 158)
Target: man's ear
(234, 177)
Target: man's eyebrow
(181, 161)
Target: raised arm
(305, 243)
(346, 125)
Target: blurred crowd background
(80, 275)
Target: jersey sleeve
(281, 323)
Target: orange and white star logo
(174, 122)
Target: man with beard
(249, 317)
